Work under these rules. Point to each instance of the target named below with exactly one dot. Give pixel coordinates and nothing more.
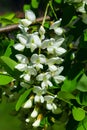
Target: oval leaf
(78, 114)
(5, 79)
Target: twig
(15, 26)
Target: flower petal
(25, 22)
(21, 67)
(21, 58)
(30, 15)
(19, 47)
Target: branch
(15, 26)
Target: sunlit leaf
(78, 113)
(5, 79)
(83, 124)
(34, 3)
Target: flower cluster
(41, 69)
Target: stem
(51, 6)
(45, 14)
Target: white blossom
(52, 61)
(39, 92)
(55, 26)
(34, 112)
(21, 67)
(50, 105)
(28, 72)
(56, 75)
(38, 60)
(45, 78)
(29, 14)
(53, 47)
(22, 59)
(23, 41)
(33, 42)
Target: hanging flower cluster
(41, 70)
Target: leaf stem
(45, 14)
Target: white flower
(25, 22)
(47, 43)
(21, 58)
(28, 72)
(45, 78)
(28, 103)
(58, 78)
(52, 61)
(30, 15)
(33, 42)
(38, 60)
(34, 113)
(23, 40)
(53, 47)
(23, 28)
(37, 122)
(39, 92)
(50, 105)
(21, 67)
(55, 26)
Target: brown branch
(15, 26)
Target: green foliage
(8, 64)
(8, 19)
(78, 114)
(5, 79)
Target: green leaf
(8, 51)
(8, 64)
(58, 1)
(82, 84)
(83, 124)
(34, 4)
(85, 35)
(26, 7)
(58, 126)
(5, 79)
(78, 114)
(69, 85)
(65, 95)
(22, 99)
(8, 16)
